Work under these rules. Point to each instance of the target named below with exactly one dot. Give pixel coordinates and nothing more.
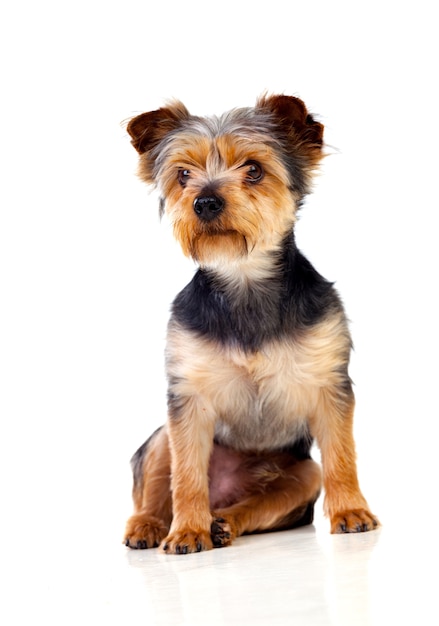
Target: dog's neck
(239, 306)
(252, 272)
(255, 268)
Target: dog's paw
(186, 540)
(144, 532)
(221, 532)
(353, 521)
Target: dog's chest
(263, 400)
(257, 400)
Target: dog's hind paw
(221, 532)
(353, 521)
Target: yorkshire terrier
(258, 344)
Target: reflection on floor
(305, 576)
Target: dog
(258, 344)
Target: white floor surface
(76, 573)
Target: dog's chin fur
(219, 249)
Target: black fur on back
(139, 456)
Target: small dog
(258, 345)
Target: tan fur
(287, 380)
(152, 497)
(345, 505)
(272, 508)
(276, 496)
(255, 219)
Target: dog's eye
(254, 173)
(183, 176)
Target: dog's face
(230, 185)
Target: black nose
(208, 207)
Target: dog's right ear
(148, 129)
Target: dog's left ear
(291, 113)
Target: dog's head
(231, 184)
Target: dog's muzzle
(208, 207)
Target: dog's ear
(148, 129)
(291, 113)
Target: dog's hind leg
(286, 502)
(151, 494)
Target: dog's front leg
(191, 431)
(345, 505)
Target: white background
(88, 272)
